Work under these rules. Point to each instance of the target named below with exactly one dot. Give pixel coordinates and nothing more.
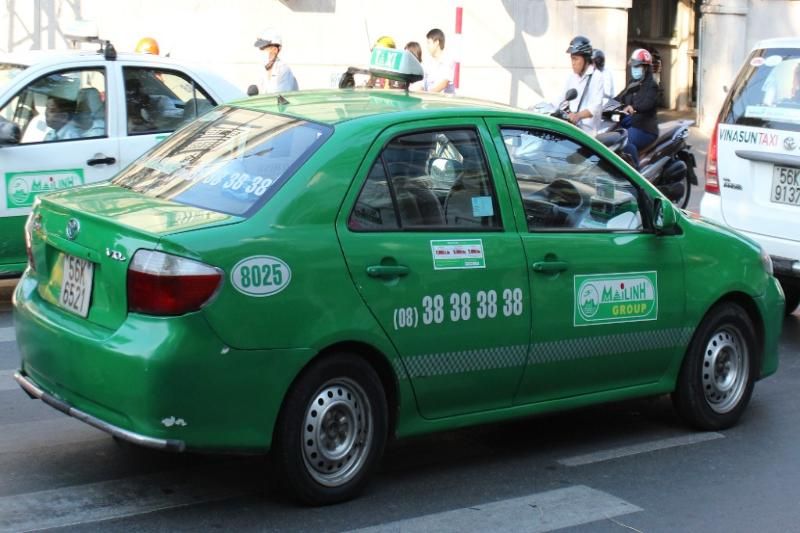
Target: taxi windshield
(767, 92)
(7, 73)
(229, 160)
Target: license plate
(76, 285)
(786, 185)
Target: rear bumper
(124, 434)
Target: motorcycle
(667, 163)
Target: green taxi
(314, 273)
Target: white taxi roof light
(84, 31)
(393, 64)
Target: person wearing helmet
(599, 62)
(147, 45)
(585, 110)
(640, 97)
(277, 76)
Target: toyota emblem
(789, 143)
(73, 227)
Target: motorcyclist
(599, 61)
(585, 110)
(640, 98)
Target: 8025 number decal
(261, 275)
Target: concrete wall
(512, 51)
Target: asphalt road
(630, 466)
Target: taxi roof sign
(392, 64)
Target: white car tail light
(164, 284)
(712, 174)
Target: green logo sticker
(261, 275)
(607, 298)
(458, 254)
(23, 187)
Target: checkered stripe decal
(572, 349)
(495, 358)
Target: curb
(7, 287)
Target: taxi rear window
(229, 160)
(766, 93)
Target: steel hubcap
(725, 369)
(337, 433)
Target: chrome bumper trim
(124, 434)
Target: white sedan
(69, 117)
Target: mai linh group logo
(601, 299)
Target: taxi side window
(160, 101)
(432, 180)
(61, 106)
(566, 186)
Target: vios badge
(789, 143)
(73, 227)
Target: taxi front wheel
(331, 431)
(717, 375)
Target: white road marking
(107, 500)
(27, 436)
(645, 447)
(535, 513)
(7, 380)
(7, 335)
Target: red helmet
(640, 56)
(147, 45)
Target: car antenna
(282, 100)
(109, 52)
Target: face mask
(637, 73)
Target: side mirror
(9, 132)
(664, 218)
(572, 94)
(252, 90)
(444, 171)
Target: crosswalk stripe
(107, 500)
(27, 436)
(535, 513)
(626, 451)
(7, 335)
(7, 380)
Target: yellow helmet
(385, 42)
(147, 45)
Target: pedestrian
(441, 69)
(277, 76)
(585, 110)
(599, 61)
(416, 51)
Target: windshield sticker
(482, 206)
(610, 298)
(757, 61)
(748, 137)
(261, 275)
(22, 187)
(772, 61)
(458, 254)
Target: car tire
(792, 293)
(718, 371)
(331, 431)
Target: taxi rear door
(607, 293)
(430, 241)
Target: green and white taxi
(69, 117)
(314, 273)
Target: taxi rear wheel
(717, 376)
(331, 431)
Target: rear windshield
(767, 91)
(229, 160)
(7, 72)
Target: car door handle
(387, 271)
(101, 161)
(550, 267)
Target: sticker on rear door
(608, 298)
(22, 187)
(458, 254)
(261, 275)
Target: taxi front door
(429, 238)
(607, 292)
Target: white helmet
(267, 37)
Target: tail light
(712, 174)
(164, 284)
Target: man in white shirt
(584, 110)
(440, 70)
(277, 77)
(57, 115)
